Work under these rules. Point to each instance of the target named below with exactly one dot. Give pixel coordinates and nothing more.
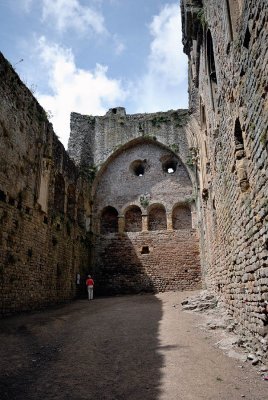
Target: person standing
(90, 285)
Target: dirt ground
(141, 347)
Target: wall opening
(247, 39)
(182, 217)
(211, 69)
(109, 220)
(169, 164)
(210, 58)
(138, 167)
(238, 136)
(157, 219)
(145, 250)
(133, 219)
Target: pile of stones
(217, 318)
(202, 302)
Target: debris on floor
(201, 302)
(220, 324)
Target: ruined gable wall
(232, 116)
(41, 249)
(120, 187)
(161, 252)
(103, 145)
(93, 139)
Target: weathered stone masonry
(44, 204)
(226, 42)
(159, 182)
(143, 212)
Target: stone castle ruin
(147, 202)
(143, 207)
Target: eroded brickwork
(43, 243)
(226, 42)
(147, 262)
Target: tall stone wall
(226, 45)
(44, 204)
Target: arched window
(71, 201)
(210, 58)
(81, 211)
(181, 217)
(109, 220)
(157, 219)
(238, 136)
(59, 193)
(133, 219)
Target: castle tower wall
(226, 45)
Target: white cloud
(70, 14)
(74, 89)
(26, 5)
(167, 65)
(119, 46)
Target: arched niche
(133, 219)
(109, 220)
(157, 219)
(59, 193)
(181, 217)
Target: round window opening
(138, 167)
(139, 170)
(170, 166)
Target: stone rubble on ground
(217, 319)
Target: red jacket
(89, 282)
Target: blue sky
(91, 55)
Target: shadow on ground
(102, 350)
